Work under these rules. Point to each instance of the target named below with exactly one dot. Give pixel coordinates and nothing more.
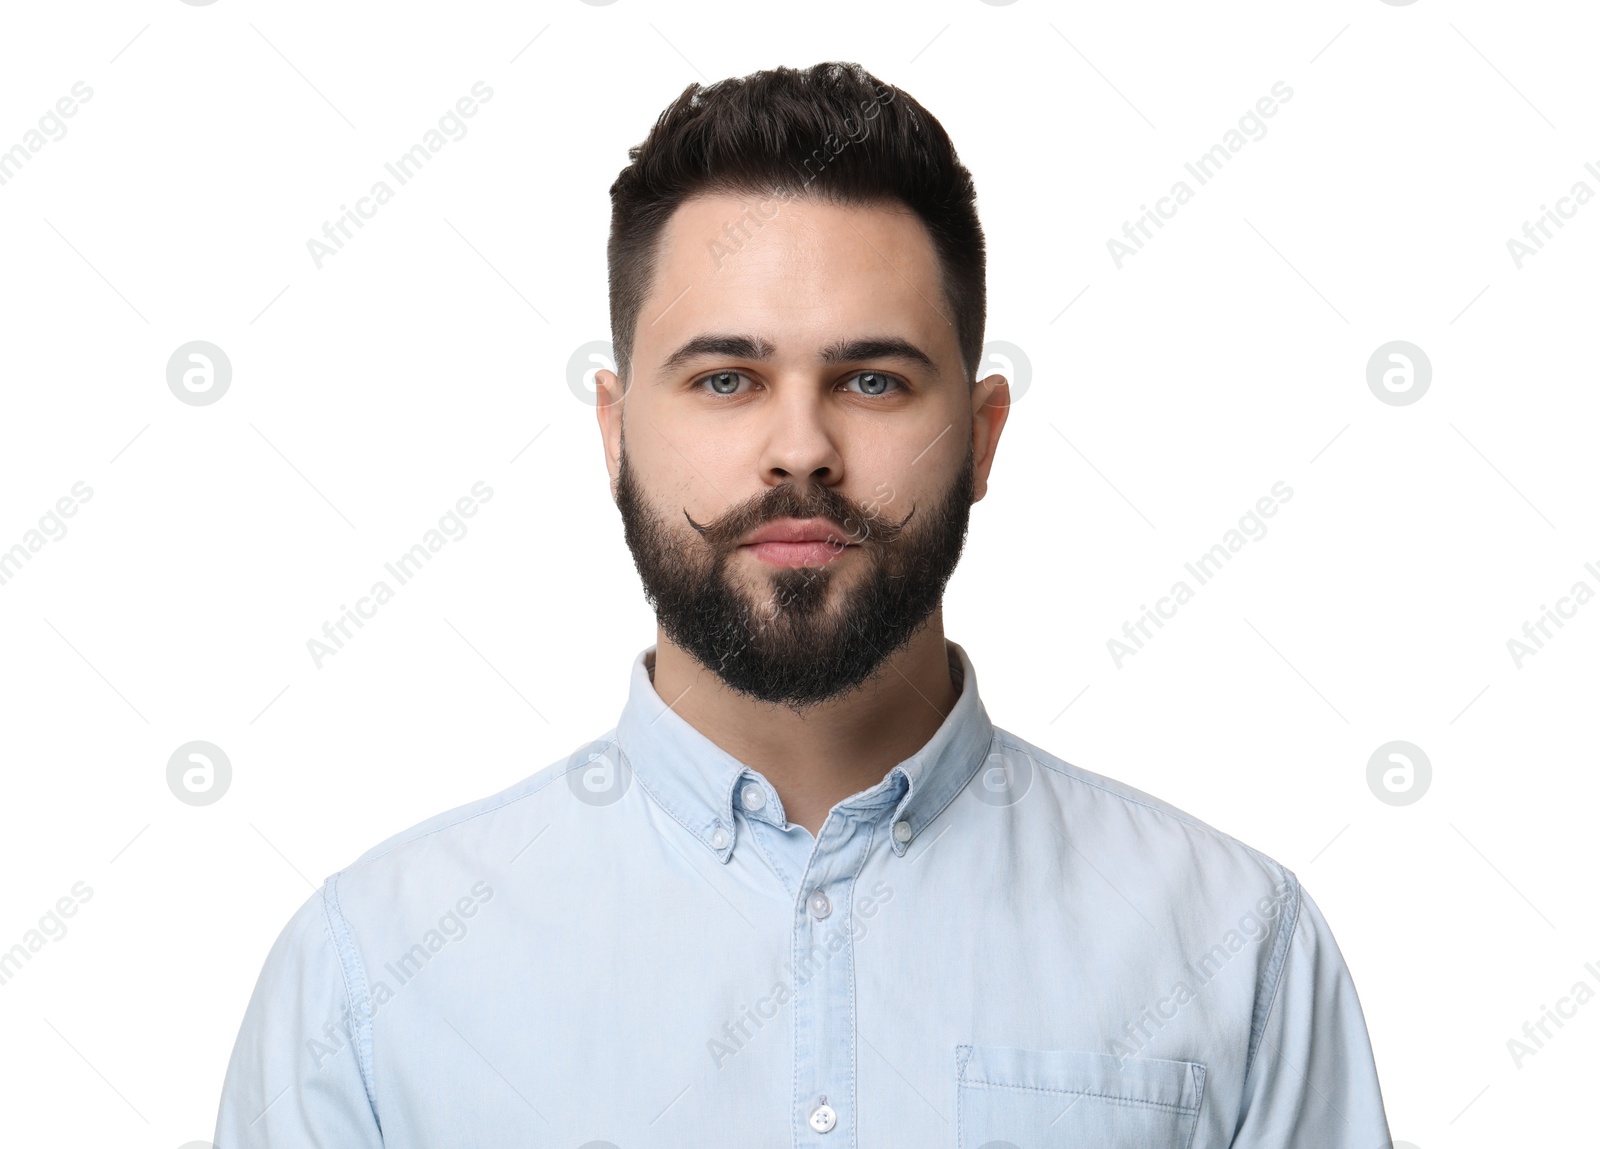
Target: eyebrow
(842, 351)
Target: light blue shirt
(635, 948)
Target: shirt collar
(693, 779)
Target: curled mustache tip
(866, 528)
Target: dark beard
(790, 648)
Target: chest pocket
(1030, 1098)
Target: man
(804, 893)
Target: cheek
(670, 483)
(730, 460)
(929, 481)
(702, 463)
(906, 469)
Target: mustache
(859, 524)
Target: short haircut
(831, 131)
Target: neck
(826, 752)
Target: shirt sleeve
(296, 1079)
(1312, 1083)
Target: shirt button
(821, 907)
(902, 831)
(823, 1118)
(753, 796)
(719, 838)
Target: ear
(991, 404)
(608, 395)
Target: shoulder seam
(406, 841)
(1014, 743)
(1274, 972)
(357, 994)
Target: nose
(798, 445)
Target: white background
(369, 395)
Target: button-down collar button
(823, 1118)
(752, 796)
(821, 907)
(902, 831)
(719, 838)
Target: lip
(796, 543)
(797, 531)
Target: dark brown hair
(832, 131)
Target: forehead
(801, 272)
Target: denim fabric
(633, 947)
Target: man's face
(802, 445)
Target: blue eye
(874, 383)
(722, 383)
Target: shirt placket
(823, 976)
